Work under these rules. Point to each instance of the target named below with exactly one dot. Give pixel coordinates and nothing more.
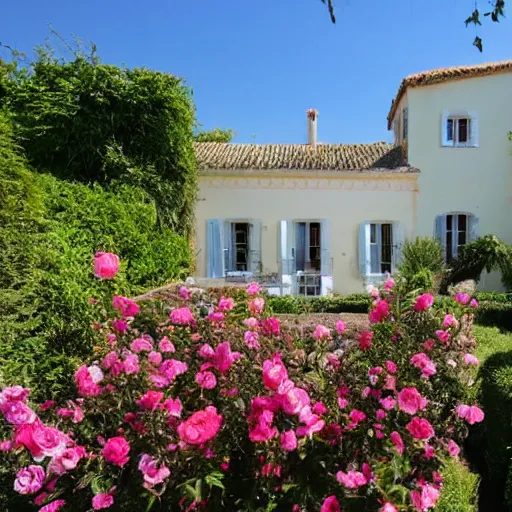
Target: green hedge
(495, 314)
(356, 303)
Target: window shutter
(286, 247)
(229, 263)
(474, 133)
(473, 227)
(215, 248)
(398, 243)
(255, 246)
(440, 231)
(325, 241)
(364, 249)
(444, 130)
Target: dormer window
(460, 129)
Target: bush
(495, 314)
(171, 411)
(290, 304)
(460, 489)
(422, 254)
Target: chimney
(312, 126)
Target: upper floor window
(459, 129)
(405, 123)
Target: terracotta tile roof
(334, 157)
(437, 76)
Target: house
(333, 217)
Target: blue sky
(256, 65)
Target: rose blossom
(13, 394)
(155, 358)
(125, 306)
(253, 289)
(226, 304)
(410, 401)
(173, 407)
(53, 506)
(450, 321)
(152, 473)
(471, 413)
(165, 345)
(251, 339)
(389, 284)
(365, 340)
(86, 380)
(388, 507)
(424, 302)
(462, 298)
(380, 312)
(321, 333)
(6, 446)
(443, 336)
(453, 448)
(116, 451)
(150, 400)
(288, 440)
(200, 427)
(420, 428)
(18, 413)
(256, 306)
(426, 498)
(330, 504)
(470, 359)
(182, 316)
(141, 345)
(206, 380)
(274, 372)
(351, 479)
(184, 293)
(391, 367)
(270, 326)
(224, 357)
(397, 440)
(251, 322)
(41, 441)
(388, 403)
(340, 327)
(294, 400)
(68, 460)
(101, 501)
(29, 480)
(425, 364)
(106, 265)
(473, 303)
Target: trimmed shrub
(495, 314)
(289, 304)
(460, 489)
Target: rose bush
(217, 408)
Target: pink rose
(420, 428)
(165, 345)
(380, 312)
(131, 363)
(125, 306)
(41, 441)
(388, 403)
(380, 414)
(462, 298)
(270, 326)
(224, 358)
(390, 383)
(330, 504)
(453, 448)
(424, 302)
(288, 440)
(443, 336)
(410, 401)
(260, 428)
(68, 460)
(391, 367)
(256, 306)
(253, 289)
(226, 304)
(155, 358)
(313, 424)
(450, 321)
(251, 339)
(397, 441)
(173, 407)
(294, 400)
(6, 446)
(351, 479)
(426, 498)
(182, 316)
(429, 344)
(365, 340)
(388, 507)
(18, 413)
(251, 322)
(106, 265)
(86, 380)
(53, 506)
(116, 451)
(153, 473)
(101, 501)
(150, 401)
(29, 480)
(13, 394)
(319, 408)
(425, 364)
(389, 284)
(184, 293)
(473, 303)
(206, 380)
(341, 326)
(322, 333)
(141, 345)
(274, 372)
(200, 427)
(120, 326)
(471, 413)
(470, 359)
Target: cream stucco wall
(345, 198)
(474, 180)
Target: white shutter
(440, 231)
(229, 263)
(325, 242)
(398, 243)
(285, 256)
(215, 248)
(255, 247)
(473, 227)
(474, 131)
(444, 129)
(364, 249)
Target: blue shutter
(325, 242)
(473, 228)
(215, 248)
(364, 249)
(255, 263)
(440, 231)
(398, 235)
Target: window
(308, 247)
(405, 123)
(454, 230)
(380, 247)
(309, 285)
(460, 130)
(240, 241)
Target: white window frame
(455, 116)
(378, 243)
(472, 223)
(253, 231)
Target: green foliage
(290, 304)
(216, 135)
(487, 253)
(460, 488)
(100, 123)
(495, 314)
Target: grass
(460, 488)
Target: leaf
(478, 43)
(96, 486)
(287, 487)
(214, 482)
(191, 491)
(198, 489)
(151, 502)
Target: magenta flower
(29, 480)
(53, 506)
(106, 265)
(425, 364)
(125, 306)
(471, 360)
(294, 400)
(341, 326)
(288, 440)
(173, 407)
(165, 345)
(41, 441)
(200, 427)
(251, 339)
(424, 302)
(462, 298)
(410, 401)
(321, 333)
(471, 413)
(365, 340)
(388, 403)
(206, 380)
(351, 479)
(388, 507)
(443, 336)
(261, 428)
(86, 380)
(397, 441)
(18, 413)
(391, 367)
(224, 358)
(426, 498)
(141, 345)
(420, 428)
(152, 472)
(330, 504)
(253, 289)
(226, 304)
(270, 326)
(450, 321)
(274, 372)
(256, 306)
(150, 401)
(101, 501)
(116, 451)
(453, 448)
(184, 293)
(182, 316)
(473, 303)
(380, 312)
